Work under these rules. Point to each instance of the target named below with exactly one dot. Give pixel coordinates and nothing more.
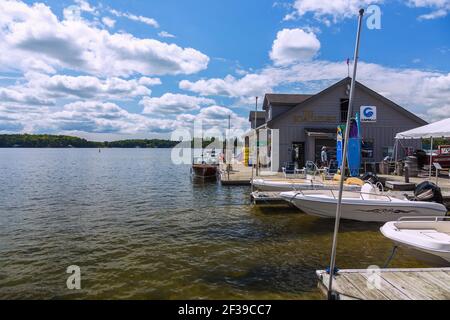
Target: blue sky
(116, 69)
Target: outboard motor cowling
(429, 192)
(371, 177)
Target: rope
(394, 251)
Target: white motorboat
(367, 205)
(298, 184)
(428, 236)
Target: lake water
(140, 228)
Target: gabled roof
(259, 115)
(284, 99)
(359, 85)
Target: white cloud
(294, 45)
(171, 103)
(110, 23)
(85, 6)
(440, 8)
(84, 87)
(33, 38)
(88, 117)
(17, 96)
(329, 11)
(214, 117)
(148, 21)
(165, 34)
(415, 89)
(250, 85)
(148, 82)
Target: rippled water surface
(140, 228)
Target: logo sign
(368, 114)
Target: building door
(298, 154)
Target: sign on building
(368, 114)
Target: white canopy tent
(440, 129)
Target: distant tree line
(59, 141)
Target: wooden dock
(239, 175)
(389, 284)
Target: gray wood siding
(390, 121)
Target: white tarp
(440, 129)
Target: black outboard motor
(371, 177)
(428, 191)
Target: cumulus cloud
(249, 85)
(148, 21)
(214, 117)
(440, 8)
(329, 11)
(110, 23)
(171, 103)
(294, 45)
(417, 90)
(33, 38)
(78, 87)
(81, 116)
(165, 34)
(17, 96)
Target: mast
(257, 140)
(344, 159)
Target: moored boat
(367, 205)
(297, 184)
(205, 170)
(428, 236)
(206, 166)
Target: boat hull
(281, 186)
(420, 242)
(205, 171)
(363, 210)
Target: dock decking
(389, 284)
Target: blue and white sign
(368, 114)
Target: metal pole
(344, 158)
(431, 156)
(227, 156)
(257, 139)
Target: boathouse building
(308, 122)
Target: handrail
(334, 195)
(431, 219)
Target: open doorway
(298, 154)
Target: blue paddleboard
(340, 144)
(354, 147)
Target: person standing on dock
(324, 157)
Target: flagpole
(348, 67)
(331, 296)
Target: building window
(270, 113)
(367, 149)
(344, 110)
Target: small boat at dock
(206, 166)
(281, 185)
(369, 205)
(428, 236)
